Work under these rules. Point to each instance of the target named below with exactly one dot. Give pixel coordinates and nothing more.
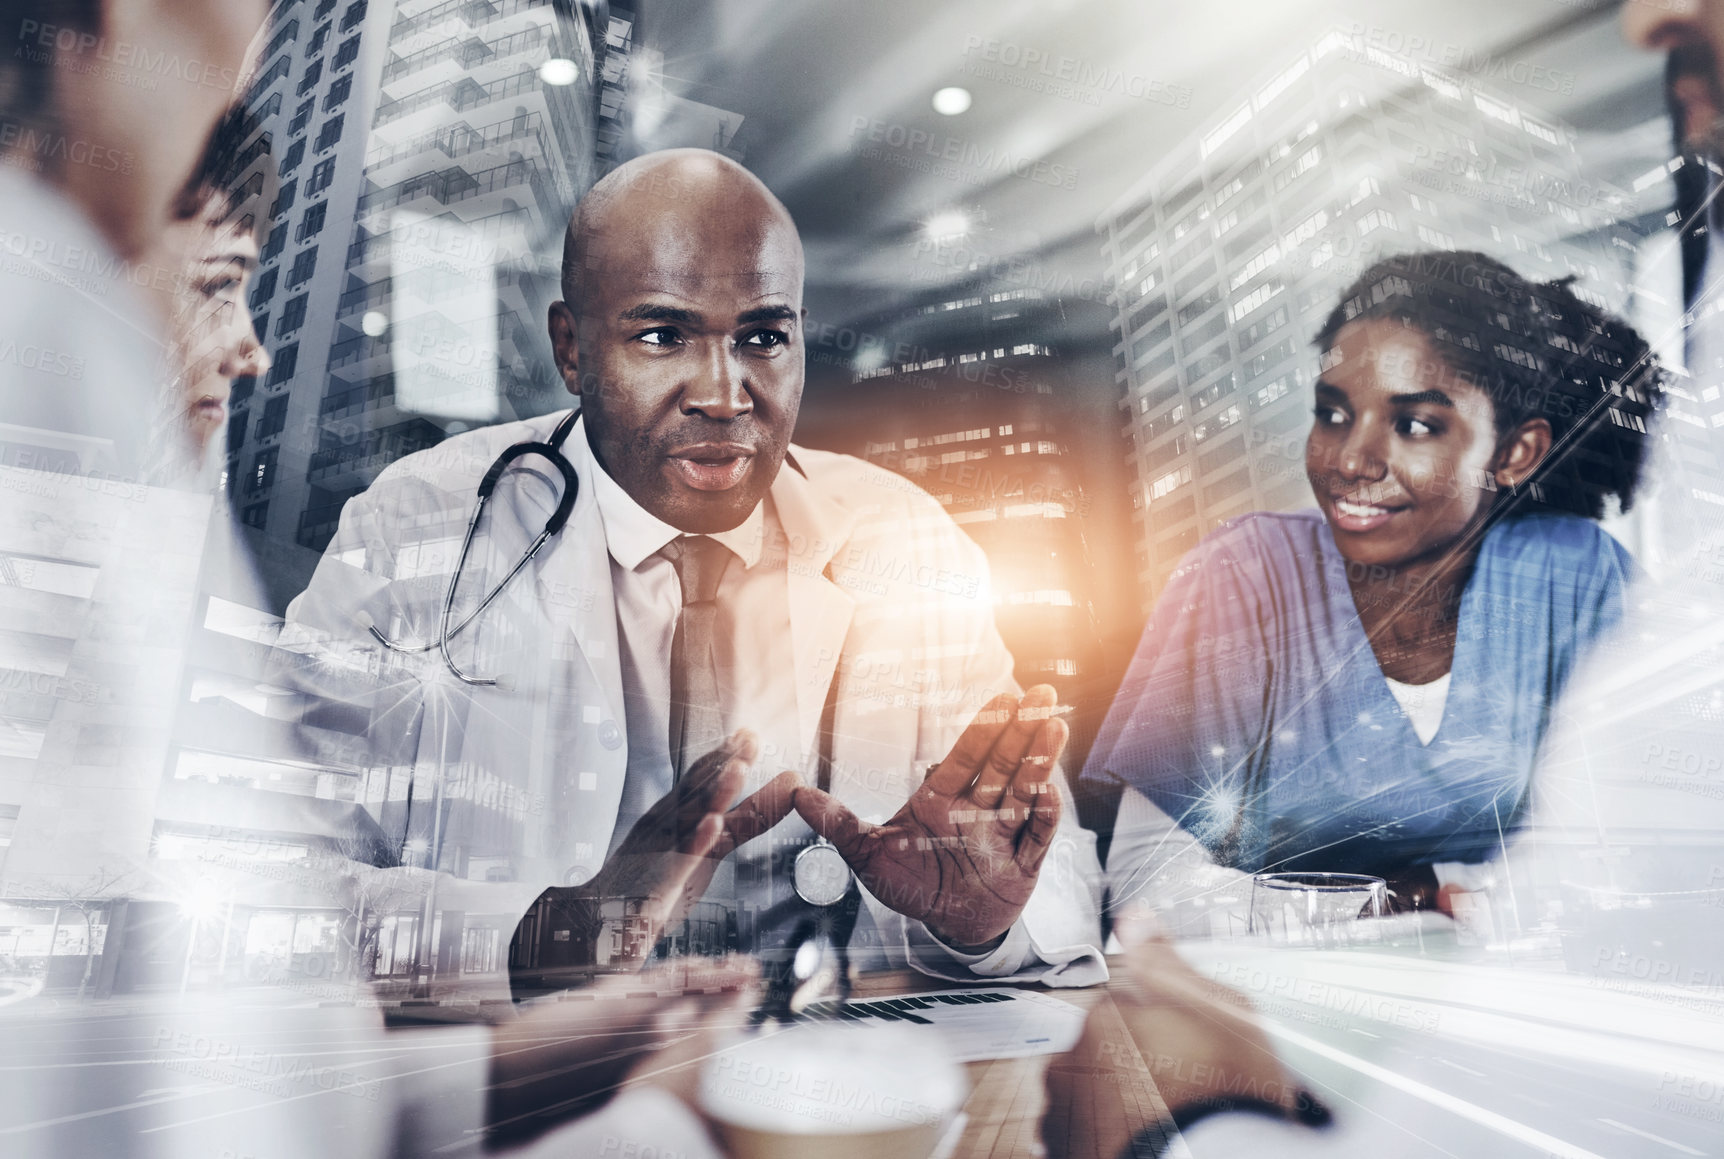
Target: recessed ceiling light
(559, 71)
(947, 225)
(952, 101)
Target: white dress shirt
(751, 647)
(753, 653)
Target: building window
(338, 92)
(1267, 360)
(262, 472)
(272, 247)
(330, 133)
(263, 289)
(1169, 483)
(1263, 327)
(1161, 424)
(285, 363)
(354, 14)
(255, 515)
(313, 74)
(1436, 238)
(294, 155)
(324, 8)
(292, 316)
(1265, 395)
(312, 223)
(1213, 393)
(288, 32)
(284, 199)
(301, 117)
(303, 266)
(322, 174)
(479, 950)
(1375, 220)
(276, 71)
(274, 418)
(347, 53)
(318, 40)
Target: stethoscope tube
(552, 452)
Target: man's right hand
(661, 868)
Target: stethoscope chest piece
(820, 875)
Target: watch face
(821, 877)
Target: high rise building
(429, 153)
(978, 398)
(1228, 255)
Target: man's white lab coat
(891, 613)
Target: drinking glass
(1316, 909)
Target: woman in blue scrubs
(1362, 688)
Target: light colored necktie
(696, 718)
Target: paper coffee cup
(840, 1092)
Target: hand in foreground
(1165, 1046)
(1416, 890)
(560, 1060)
(963, 853)
(664, 864)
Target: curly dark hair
(1538, 350)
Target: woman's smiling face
(1403, 448)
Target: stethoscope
(551, 451)
(820, 875)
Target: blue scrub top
(1256, 715)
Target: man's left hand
(963, 853)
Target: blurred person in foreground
(1363, 688)
(90, 412)
(1165, 1049)
(200, 268)
(845, 630)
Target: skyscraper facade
(429, 154)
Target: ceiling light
(945, 226)
(559, 71)
(374, 323)
(952, 101)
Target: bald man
(728, 631)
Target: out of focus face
(201, 269)
(1401, 448)
(144, 129)
(1692, 32)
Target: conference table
(1421, 1045)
